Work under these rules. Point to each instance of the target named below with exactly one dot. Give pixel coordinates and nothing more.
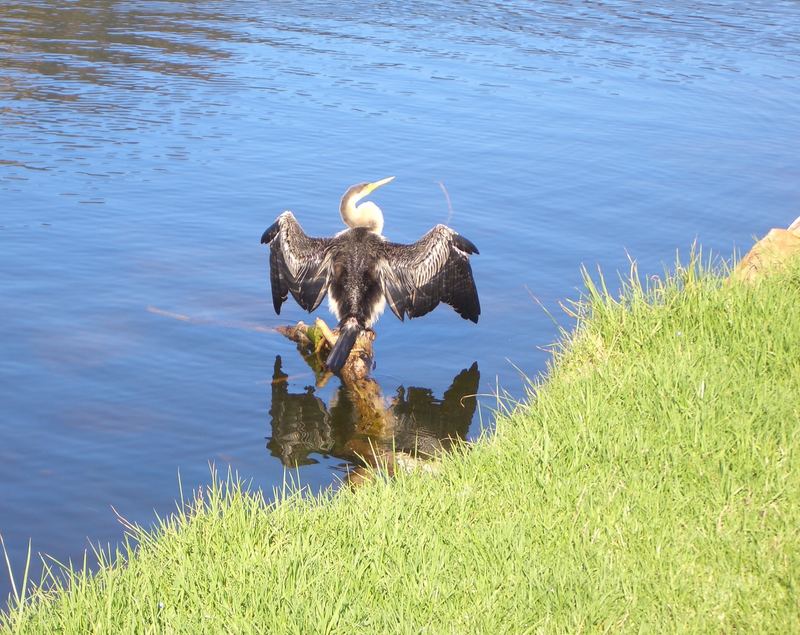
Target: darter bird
(360, 270)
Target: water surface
(144, 147)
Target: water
(144, 147)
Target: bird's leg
(327, 335)
(329, 338)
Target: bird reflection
(359, 426)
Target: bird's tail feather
(349, 329)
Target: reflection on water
(86, 41)
(360, 426)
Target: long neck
(366, 215)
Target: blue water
(144, 147)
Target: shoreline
(647, 483)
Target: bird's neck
(366, 215)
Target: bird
(361, 271)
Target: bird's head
(366, 214)
(358, 191)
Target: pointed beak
(371, 187)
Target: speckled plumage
(360, 271)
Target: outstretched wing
(297, 263)
(434, 269)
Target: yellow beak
(371, 187)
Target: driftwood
(315, 342)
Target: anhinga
(361, 271)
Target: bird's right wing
(416, 277)
(297, 263)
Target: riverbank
(647, 485)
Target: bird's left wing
(416, 277)
(297, 263)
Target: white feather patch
(333, 306)
(377, 311)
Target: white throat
(366, 215)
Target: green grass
(650, 484)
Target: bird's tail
(349, 328)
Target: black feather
(270, 233)
(348, 333)
(306, 279)
(416, 278)
(278, 282)
(453, 285)
(465, 245)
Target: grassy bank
(651, 484)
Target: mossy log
(315, 343)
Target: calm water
(144, 147)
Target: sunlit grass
(651, 484)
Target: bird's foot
(328, 336)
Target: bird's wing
(416, 277)
(297, 263)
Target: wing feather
(298, 263)
(436, 268)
